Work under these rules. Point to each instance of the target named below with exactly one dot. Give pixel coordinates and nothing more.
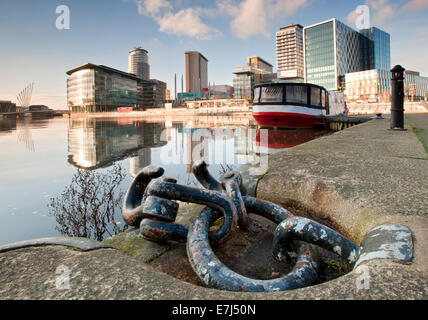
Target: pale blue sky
(225, 31)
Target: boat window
(297, 94)
(256, 95)
(271, 94)
(315, 96)
(324, 98)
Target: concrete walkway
(355, 179)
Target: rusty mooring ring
(216, 275)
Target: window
(297, 94)
(324, 97)
(272, 94)
(256, 95)
(315, 96)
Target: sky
(33, 49)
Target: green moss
(336, 266)
(263, 175)
(73, 248)
(417, 132)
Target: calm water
(39, 157)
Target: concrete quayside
(356, 180)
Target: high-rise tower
(138, 63)
(196, 72)
(290, 53)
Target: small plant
(87, 207)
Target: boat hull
(288, 116)
(288, 120)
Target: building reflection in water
(24, 127)
(96, 143)
(7, 125)
(221, 141)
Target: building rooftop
(197, 53)
(101, 67)
(139, 49)
(262, 60)
(291, 26)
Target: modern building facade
(376, 49)
(138, 63)
(333, 49)
(246, 78)
(375, 86)
(369, 85)
(259, 63)
(154, 93)
(196, 72)
(97, 88)
(290, 53)
(415, 86)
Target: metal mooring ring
(132, 206)
(230, 182)
(158, 231)
(297, 228)
(216, 275)
(213, 199)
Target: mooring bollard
(397, 98)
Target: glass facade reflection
(333, 49)
(320, 54)
(94, 143)
(92, 88)
(246, 78)
(376, 49)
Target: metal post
(397, 98)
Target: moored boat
(295, 105)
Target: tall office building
(138, 63)
(196, 72)
(332, 49)
(290, 53)
(376, 49)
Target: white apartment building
(289, 53)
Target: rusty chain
(150, 205)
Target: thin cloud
(184, 22)
(414, 5)
(380, 11)
(252, 17)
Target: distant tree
(87, 207)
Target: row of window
(294, 94)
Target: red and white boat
(295, 105)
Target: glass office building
(376, 49)
(154, 93)
(93, 88)
(333, 49)
(246, 78)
